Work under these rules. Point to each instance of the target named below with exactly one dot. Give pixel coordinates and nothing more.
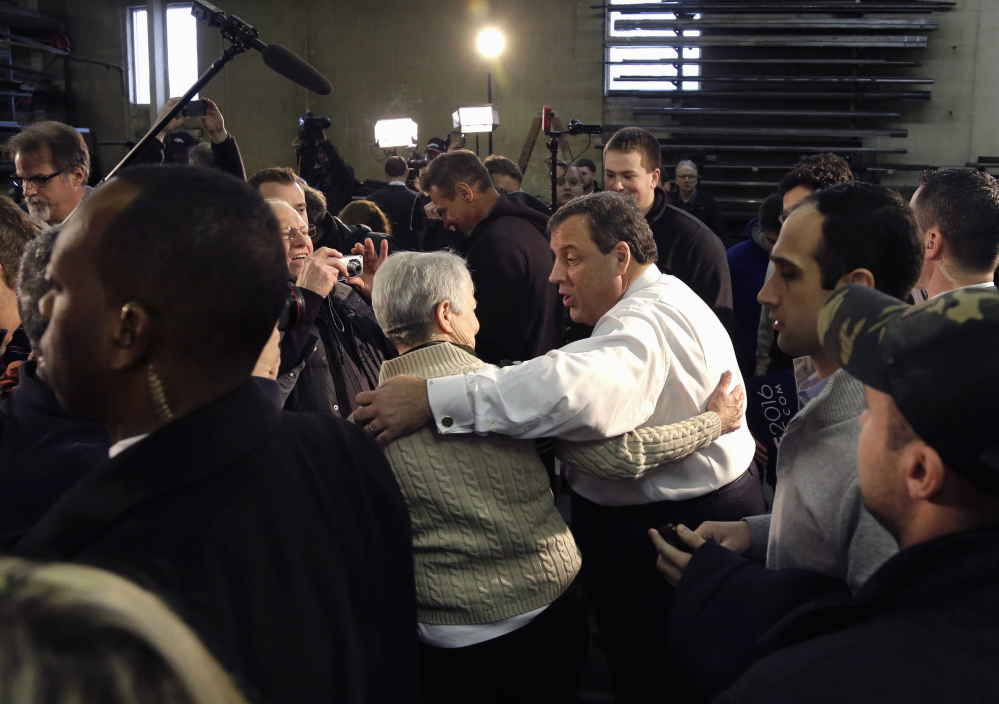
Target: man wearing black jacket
(324, 169)
(923, 627)
(396, 200)
(508, 254)
(225, 152)
(691, 199)
(338, 348)
(281, 538)
(688, 250)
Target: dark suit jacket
(692, 253)
(43, 452)
(397, 204)
(519, 310)
(705, 208)
(281, 538)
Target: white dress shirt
(654, 359)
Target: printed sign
(772, 402)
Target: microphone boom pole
(242, 37)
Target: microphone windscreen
(295, 69)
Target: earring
(158, 395)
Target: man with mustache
(52, 165)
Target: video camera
(416, 163)
(310, 129)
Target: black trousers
(540, 663)
(630, 597)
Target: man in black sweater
(688, 250)
(281, 538)
(396, 201)
(509, 256)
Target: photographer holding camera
(338, 348)
(320, 163)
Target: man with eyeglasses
(337, 350)
(691, 199)
(51, 165)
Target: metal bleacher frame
(778, 79)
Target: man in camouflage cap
(924, 627)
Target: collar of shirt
(987, 284)
(644, 279)
(397, 183)
(810, 388)
(123, 445)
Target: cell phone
(668, 532)
(195, 108)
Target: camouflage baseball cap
(938, 360)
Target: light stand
(490, 101)
(575, 127)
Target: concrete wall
(389, 58)
(385, 58)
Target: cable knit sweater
(489, 543)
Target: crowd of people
(260, 442)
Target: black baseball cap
(437, 144)
(938, 360)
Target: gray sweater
(819, 522)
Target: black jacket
(225, 155)
(397, 204)
(692, 253)
(281, 538)
(519, 310)
(43, 452)
(434, 238)
(342, 348)
(342, 237)
(336, 181)
(705, 208)
(924, 628)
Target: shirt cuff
(450, 405)
(759, 527)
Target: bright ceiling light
(399, 132)
(491, 43)
(475, 118)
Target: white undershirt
(463, 636)
(123, 445)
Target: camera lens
(354, 267)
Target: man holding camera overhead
(321, 165)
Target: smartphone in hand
(668, 532)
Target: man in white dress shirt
(654, 358)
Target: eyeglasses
(782, 218)
(36, 181)
(687, 178)
(290, 233)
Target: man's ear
(465, 192)
(925, 472)
(655, 179)
(78, 175)
(623, 254)
(857, 276)
(132, 338)
(933, 243)
(443, 317)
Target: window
(634, 55)
(182, 52)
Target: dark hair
(364, 212)
(869, 227)
(165, 250)
(275, 174)
(448, 170)
(16, 230)
(396, 166)
(611, 218)
(64, 144)
(635, 139)
(496, 164)
(315, 204)
(770, 211)
(31, 284)
(587, 163)
(964, 204)
(816, 172)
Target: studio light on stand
(490, 44)
(396, 132)
(474, 119)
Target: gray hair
(688, 162)
(408, 288)
(31, 284)
(201, 155)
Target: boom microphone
(295, 69)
